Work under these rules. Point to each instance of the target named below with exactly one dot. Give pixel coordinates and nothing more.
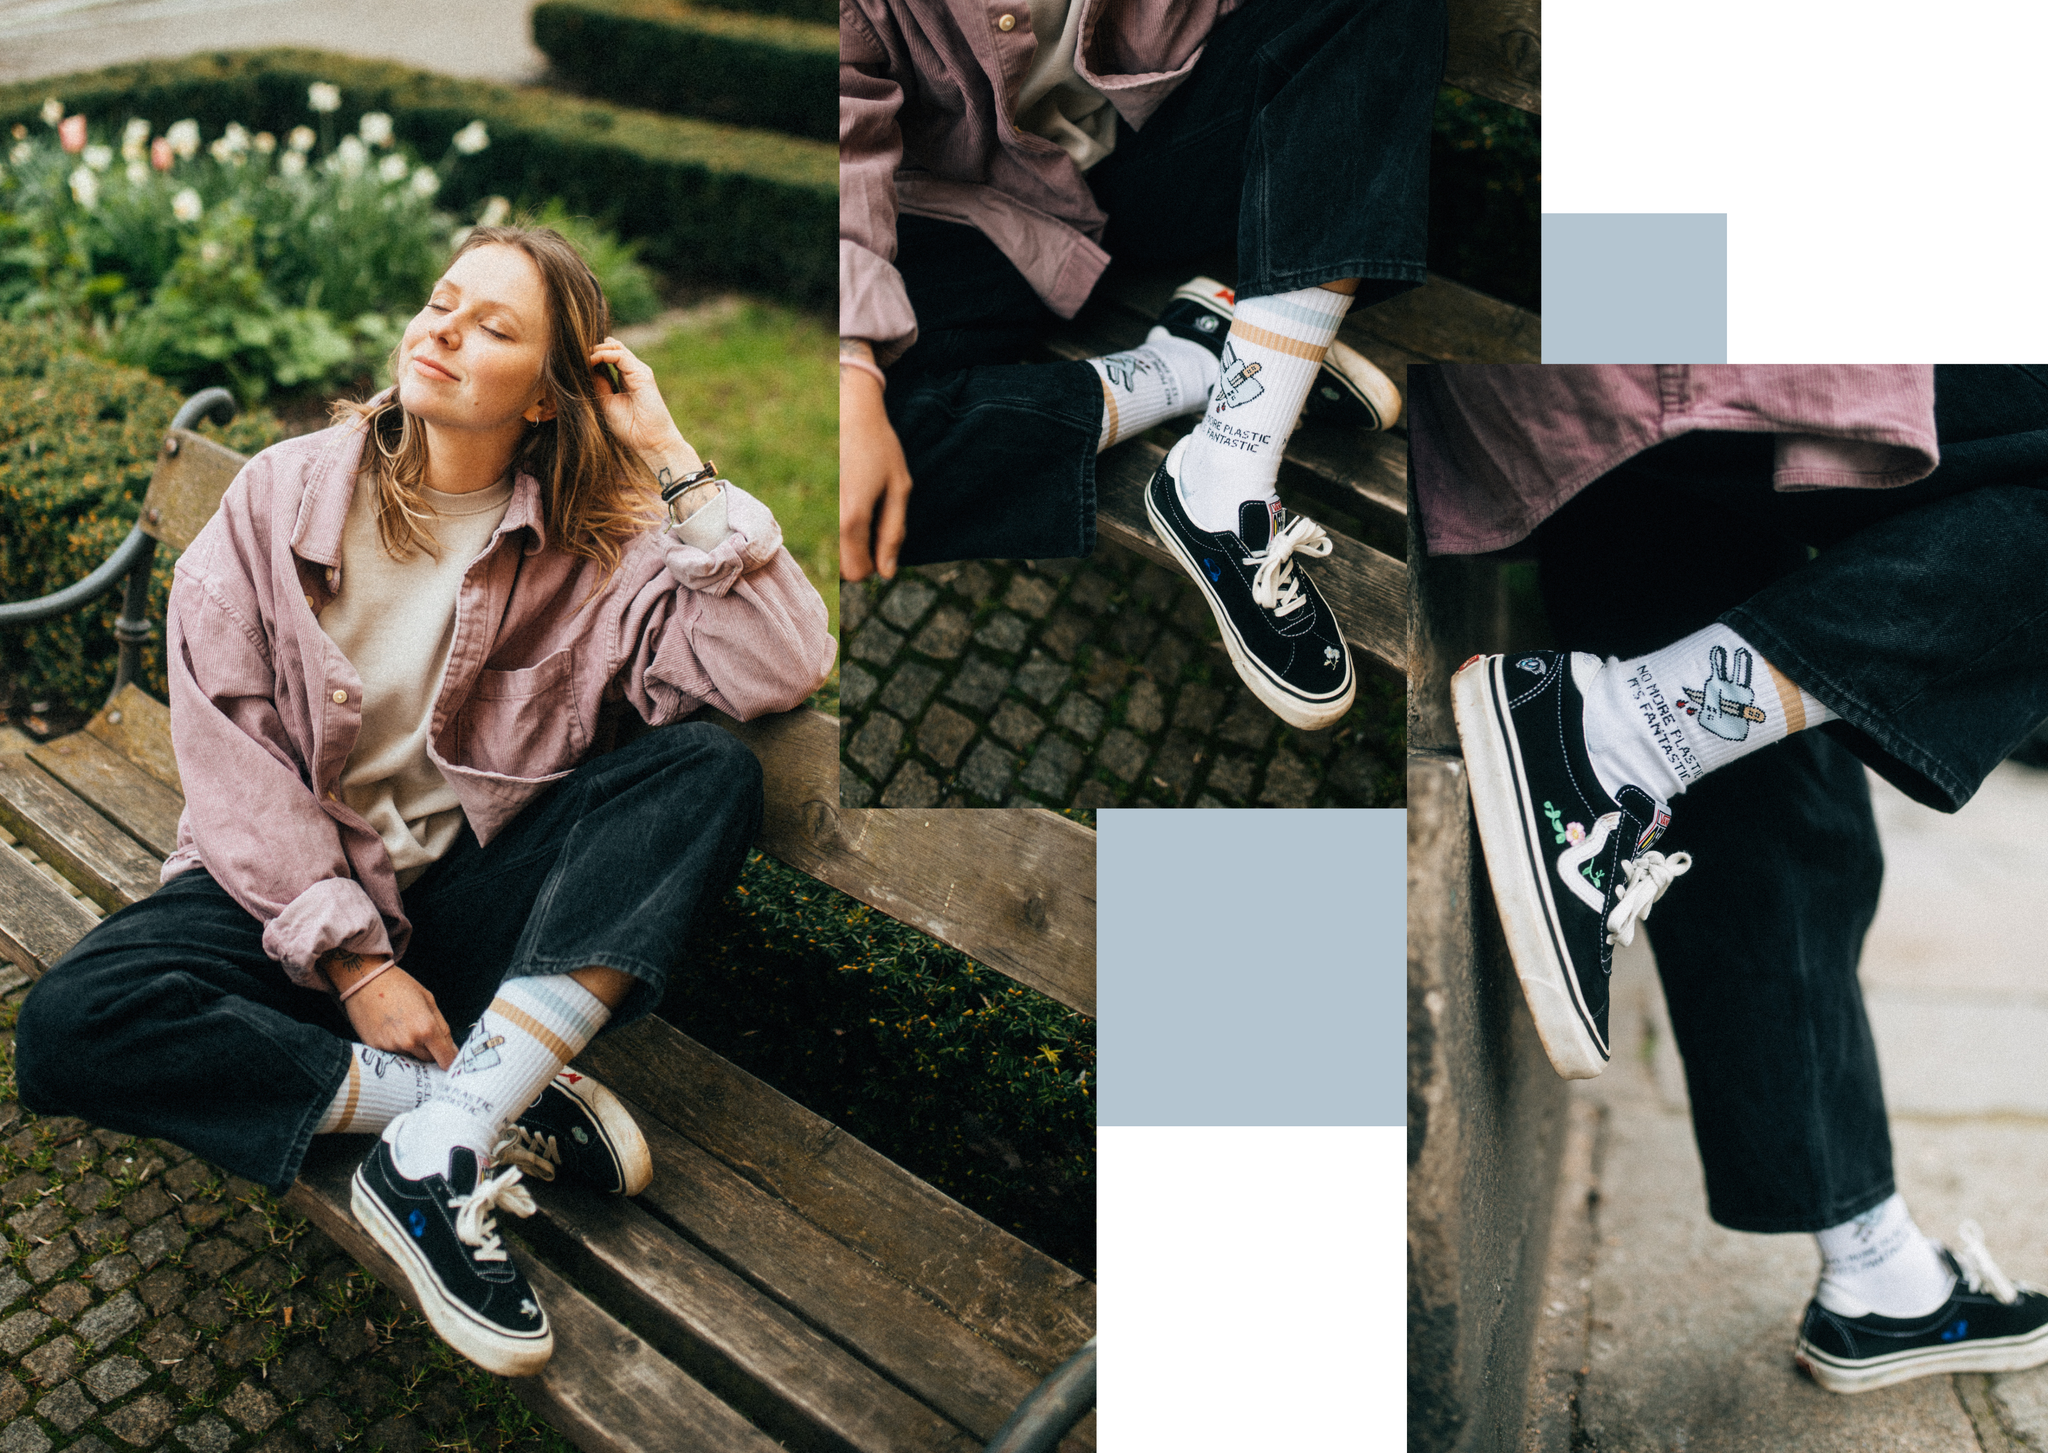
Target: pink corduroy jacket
(927, 125)
(1496, 448)
(265, 708)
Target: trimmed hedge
(78, 439)
(749, 70)
(715, 204)
(820, 12)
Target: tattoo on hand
(347, 960)
(857, 350)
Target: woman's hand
(639, 416)
(397, 1013)
(874, 479)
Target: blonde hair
(596, 494)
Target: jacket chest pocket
(524, 723)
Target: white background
(1882, 165)
(1252, 1288)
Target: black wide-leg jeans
(169, 1020)
(1301, 137)
(1920, 615)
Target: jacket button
(340, 697)
(1008, 22)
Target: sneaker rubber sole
(489, 1347)
(1991, 1354)
(620, 1130)
(1509, 832)
(1290, 708)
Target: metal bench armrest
(135, 548)
(1049, 1412)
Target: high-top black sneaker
(1348, 389)
(1988, 1324)
(1275, 623)
(1571, 867)
(441, 1231)
(578, 1132)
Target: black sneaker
(1348, 389)
(578, 1132)
(440, 1231)
(1571, 867)
(1275, 623)
(1988, 1324)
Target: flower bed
(714, 204)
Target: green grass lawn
(754, 387)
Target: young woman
(405, 893)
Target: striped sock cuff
(554, 1009)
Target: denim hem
(1951, 792)
(1264, 283)
(1845, 1208)
(302, 1136)
(652, 978)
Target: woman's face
(472, 358)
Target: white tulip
(495, 212)
(354, 156)
(85, 188)
(184, 138)
(53, 111)
(426, 182)
(186, 206)
(99, 158)
(135, 140)
(375, 128)
(302, 138)
(323, 97)
(138, 173)
(291, 164)
(393, 168)
(472, 139)
(264, 143)
(22, 152)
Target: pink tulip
(71, 131)
(160, 154)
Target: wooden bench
(780, 1284)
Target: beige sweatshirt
(394, 620)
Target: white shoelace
(1274, 587)
(1644, 881)
(533, 1153)
(474, 1222)
(1978, 1266)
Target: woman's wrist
(859, 355)
(344, 968)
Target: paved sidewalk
(1079, 683)
(1661, 1330)
(485, 39)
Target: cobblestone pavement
(149, 1301)
(1082, 683)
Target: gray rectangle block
(1635, 287)
(1251, 967)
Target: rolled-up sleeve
(739, 627)
(250, 812)
(873, 303)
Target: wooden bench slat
(192, 473)
(1366, 590)
(604, 1387)
(1447, 322)
(1035, 923)
(1020, 1299)
(118, 790)
(38, 920)
(860, 1305)
(105, 863)
(1496, 49)
(138, 726)
(788, 1378)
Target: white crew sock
(1882, 1264)
(380, 1087)
(1270, 360)
(1148, 385)
(1663, 721)
(533, 1028)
